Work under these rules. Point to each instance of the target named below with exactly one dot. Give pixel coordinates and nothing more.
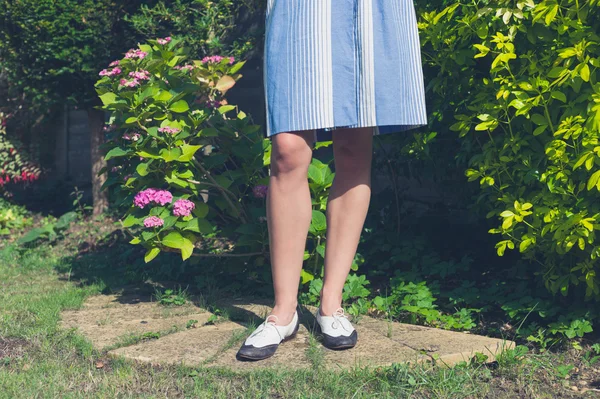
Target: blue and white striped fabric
(342, 63)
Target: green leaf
(226, 108)
(188, 152)
(146, 154)
(198, 225)
(593, 181)
(316, 174)
(551, 14)
(163, 96)
(585, 73)
(108, 98)
(115, 152)
(180, 106)
(319, 221)
(188, 249)
(151, 254)
(173, 240)
(306, 276)
(170, 155)
(559, 96)
(201, 209)
(539, 130)
(539, 119)
(142, 169)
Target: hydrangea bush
(186, 164)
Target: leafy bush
(205, 27)
(51, 230)
(185, 165)
(13, 218)
(523, 80)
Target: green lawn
(38, 359)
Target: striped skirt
(342, 63)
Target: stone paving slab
(106, 319)
(191, 347)
(451, 346)
(411, 343)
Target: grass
(39, 359)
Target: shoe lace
(262, 328)
(338, 316)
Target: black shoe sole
(334, 346)
(292, 336)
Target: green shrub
(205, 27)
(174, 134)
(13, 218)
(522, 79)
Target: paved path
(132, 326)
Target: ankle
(284, 313)
(329, 302)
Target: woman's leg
(347, 207)
(289, 212)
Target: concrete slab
(451, 347)
(191, 347)
(106, 319)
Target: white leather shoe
(337, 331)
(263, 341)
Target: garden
(482, 223)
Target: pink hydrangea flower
(130, 83)
(185, 68)
(114, 63)
(136, 53)
(140, 75)
(165, 40)
(183, 207)
(214, 59)
(260, 191)
(163, 197)
(144, 197)
(112, 72)
(167, 129)
(149, 195)
(153, 221)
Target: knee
(290, 153)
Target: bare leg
(347, 208)
(289, 212)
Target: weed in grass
(135, 338)
(314, 352)
(170, 297)
(191, 324)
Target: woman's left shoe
(337, 331)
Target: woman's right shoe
(337, 331)
(263, 341)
